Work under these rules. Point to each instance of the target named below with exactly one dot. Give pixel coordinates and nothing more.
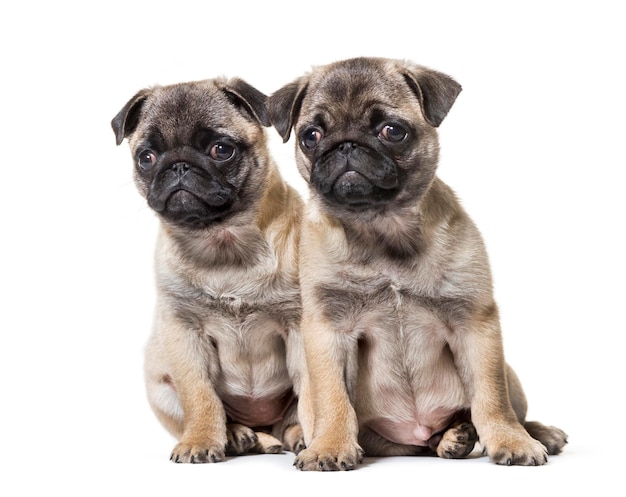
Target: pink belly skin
(254, 412)
(418, 431)
(250, 411)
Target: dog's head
(199, 148)
(365, 130)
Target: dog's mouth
(190, 196)
(185, 208)
(356, 177)
(354, 189)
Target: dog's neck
(406, 232)
(218, 245)
(396, 236)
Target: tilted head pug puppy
(401, 331)
(228, 301)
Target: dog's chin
(355, 192)
(185, 209)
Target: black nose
(180, 168)
(347, 147)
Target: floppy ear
(249, 99)
(125, 122)
(436, 92)
(284, 106)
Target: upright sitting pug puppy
(400, 328)
(228, 302)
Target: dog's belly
(408, 387)
(416, 431)
(252, 378)
(258, 412)
(410, 413)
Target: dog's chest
(359, 294)
(399, 327)
(233, 291)
(241, 292)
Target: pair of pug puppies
(360, 323)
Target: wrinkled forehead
(178, 106)
(348, 88)
(178, 112)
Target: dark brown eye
(393, 133)
(221, 152)
(146, 161)
(310, 138)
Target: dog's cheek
(427, 147)
(420, 162)
(303, 164)
(246, 176)
(236, 175)
(142, 184)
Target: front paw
(197, 453)
(516, 449)
(320, 459)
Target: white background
(534, 147)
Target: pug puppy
(401, 332)
(228, 302)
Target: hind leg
(293, 438)
(241, 439)
(165, 404)
(458, 441)
(184, 400)
(455, 443)
(553, 439)
(376, 446)
(267, 444)
(289, 430)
